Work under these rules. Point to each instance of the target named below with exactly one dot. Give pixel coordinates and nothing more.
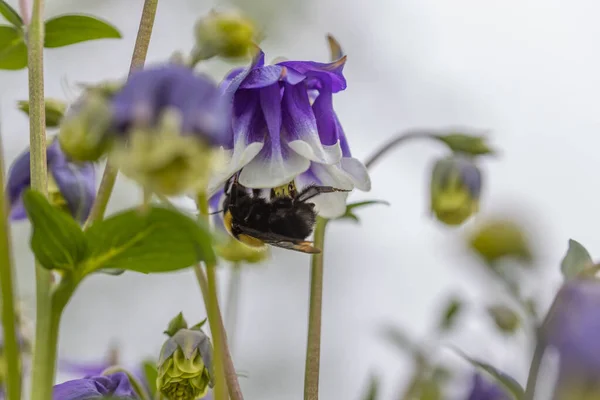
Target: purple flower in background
(572, 330)
(167, 121)
(484, 389)
(112, 386)
(149, 93)
(284, 129)
(71, 185)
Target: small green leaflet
(149, 241)
(576, 260)
(65, 30)
(156, 240)
(150, 373)
(57, 240)
(13, 52)
(450, 314)
(352, 206)
(512, 386)
(10, 14)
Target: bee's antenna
(216, 212)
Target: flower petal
(19, 178)
(116, 385)
(77, 184)
(330, 71)
(326, 118)
(357, 172)
(300, 128)
(262, 77)
(265, 172)
(329, 205)
(236, 159)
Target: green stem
(313, 346)
(107, 184)
(223, 361)
(9, 316)
(397, 141)
(45, 343)
(233, 300)
(135, 383)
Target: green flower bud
(84, 131)
(185, 363)
(455, 189)
(505, 318)
(55, 110)
(467, 144)
(498, 239)
(226, 34)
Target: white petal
(357, 172)
(310, 147)
(184, 203)
(328, 205)
(234, 160)
(265, 172)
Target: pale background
(527, 70)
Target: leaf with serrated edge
(10, 14)
(154, 240)
(56, 239)
(66, 30)
(576, 260)
(506, 381)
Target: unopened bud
(55, 110)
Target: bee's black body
(284, 220)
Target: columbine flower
(71, 186)
(111, 386)
(167, 121)
(455, 189)
(573, 331)
(284, 129)
(484, 389)
(185, 363)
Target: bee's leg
(312, 191)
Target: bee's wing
(281, 241)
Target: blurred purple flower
(284, 128)
(150, 92)
(484, 389)
(70, 185)
(113, 386)
(572, 330)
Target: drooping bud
(55, 109)
(185, 363)
(455, 189)
(501, 238)
(85, 130)
(71, 185)
(168, 121)
(227, 34)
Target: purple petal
(262, 77)
(321, 71)
(270, 102)
(326, 119)
(342, 136)
(248, 118)
(19, 178)
(483, 389)
(216, 204)
(115, 385)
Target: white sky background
(527, 70)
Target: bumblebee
(283, 220)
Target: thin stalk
(109, 177)
(12, 357)
(45, 342)
(223, 361)
(397, 141)
(313, 345)
(233, 301)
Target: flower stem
(9, 317)
(396, 141)
(313, 346)
(45, 342)
(233, 301)
(223, 362)
(107, 184)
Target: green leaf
(10, 14)
(13, 51)
(70, 29)
(352, 206)
(199, 325)
(150, 374)
(176, 324)
(450, 314)
(373, 389)
(55, 109)
(154, 240)
(576, 260)
(56, 240)
(511, 385)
